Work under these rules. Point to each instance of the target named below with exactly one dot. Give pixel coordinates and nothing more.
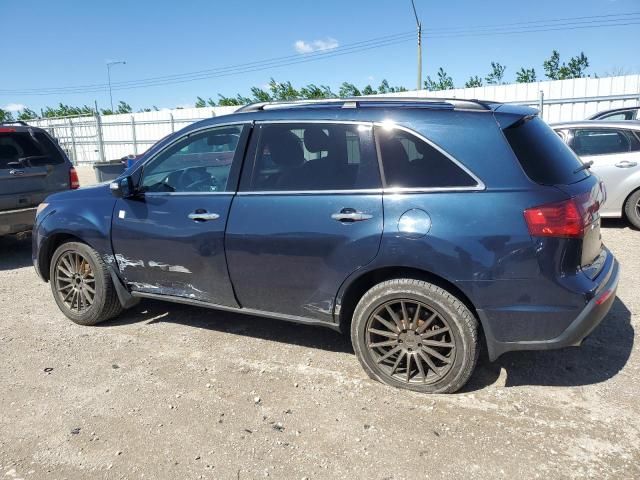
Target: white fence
(99, 138)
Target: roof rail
(358, 102)
(14, 122)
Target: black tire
(632, 209)
(457, 347)
(90, 269)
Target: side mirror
(122, 187)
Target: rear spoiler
(513, 115)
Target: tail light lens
(74, 181)
(566, 219)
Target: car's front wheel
(81, 284)
(632, 209)
(413, 334)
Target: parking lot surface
(169, 391)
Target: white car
(614, 150)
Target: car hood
(83, 193)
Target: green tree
(200, 102)
(211, 102)
(27, 114)
(526, 75)
(5, 116)
(124, 107)
(313, 92)
(283, 91)
(386, 88)
(474, 81)
(554, 70)
(228, 101)
(348, 90)
(443, 82)
(260, 95)
(496, 75)
(369, 90)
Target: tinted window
(294, 157)
(25, 149)
(543, 155)
(409, 162)
(199, 163)
(603, 142)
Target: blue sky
(67, 43)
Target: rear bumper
(581, 326)
(17, 221)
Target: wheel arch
(352, 292)
(49, 246)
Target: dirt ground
(169, 391)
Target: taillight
(74, 181)
(7, 130)
(561, 219)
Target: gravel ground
(168, 391)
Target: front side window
(201, 162)
(410, 162)
(314, 156)
(603, 141)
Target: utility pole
(419, 26)
(109, 65)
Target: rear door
(308, 214)
(169, 239)
(31, 168)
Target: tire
(88, 271)
(632, 209)
(456, 348)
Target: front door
(308, 214)
(169, 239)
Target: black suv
(32, 166)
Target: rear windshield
(23, 149)
(545, 158)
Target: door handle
(350, 215)
(203, 216)
(626, 164)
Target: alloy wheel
(410, 341)
(75, 282)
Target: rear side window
(604, 141)
(410, 162)
(544, 157)
(628, 115)
(25, 149)
(314, 156)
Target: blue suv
(428, 229)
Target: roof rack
(358, 102)
(14, 122)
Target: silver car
(614, 149)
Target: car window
(544, 157)
(603, 141)
(27, 149)
(314, 156)
(410, 162)
(628, 115)
(201, 162)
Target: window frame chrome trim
(142, 166)
(480, 184)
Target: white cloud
(316, 46)
(14, 107)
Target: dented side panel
(159, 249)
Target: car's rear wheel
(415, 335)
(632, 209)
(81, 284)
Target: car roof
(626, 124)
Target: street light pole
(419, 26)
(109, 65)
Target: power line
(356, 47)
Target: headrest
(316, 140)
